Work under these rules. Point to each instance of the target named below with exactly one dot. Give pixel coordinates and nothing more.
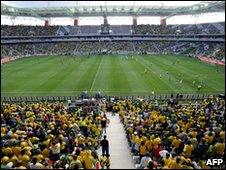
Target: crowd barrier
(74, 98)
(5, 60)
(211, 61)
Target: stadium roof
(102, 10)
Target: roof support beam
(81, 11)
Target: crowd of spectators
(175, 136)
(210, 28)
(162, 135)
(16, 30)
(211, 50)
(47, 135)
(152, 29)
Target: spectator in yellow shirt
(222, 135)
(167, 160)
(157, 141)
(209, 138)
(137, 141)
(175, 164)
(23, 158)
(176, 142)
(143, 150)
(74, 162)
(149, 144)
(16, 150)
(188, 148)
(219, 147)
(88, 160)
(14, 159)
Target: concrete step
(120, 155)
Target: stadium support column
(105, 20)
(162, 21)
(47, 23)
(76, 22)
(134, 21)
(105, 28)
(13, 20)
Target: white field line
(91, 88)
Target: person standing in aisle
(105, 146)
(104, 124)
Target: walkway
(120, 154)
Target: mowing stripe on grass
(189, 74)
(34, 77)
(173, 73)
(29, 64)
(102, 81)
(87, 75)
(150, 78)
(135, 80)
(112, 75)
(164, 84)
(69, 79)
(28, 78)
(79, 74)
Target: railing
(50, 37)
(6, 40)
(74, 98)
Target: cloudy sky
(203, 18)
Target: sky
(23, 4)
(186, 19)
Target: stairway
(120, 154)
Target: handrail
(112, 35)
(133, 39)
(160, 97)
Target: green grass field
(112, 75)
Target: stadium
(112, 84)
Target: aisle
(120, 154)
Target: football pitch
(110, 74)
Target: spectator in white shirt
(144, 162)
(55, 150)
(34, 164)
